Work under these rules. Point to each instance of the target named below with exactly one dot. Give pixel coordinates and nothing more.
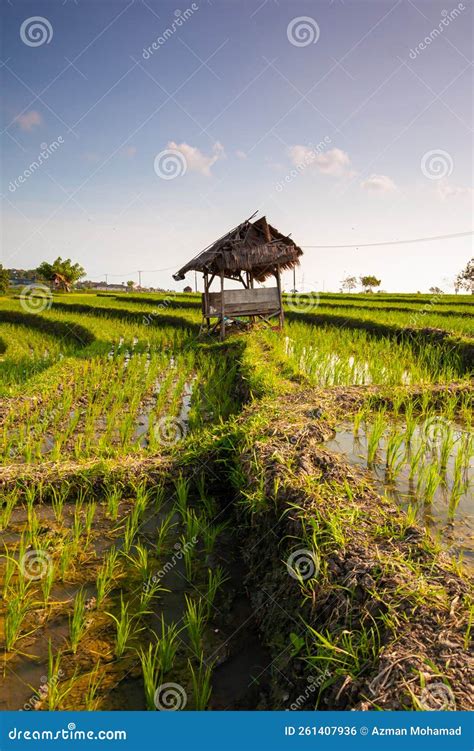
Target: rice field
(161, 491)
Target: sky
(135, 132)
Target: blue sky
(338, 120)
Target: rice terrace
(253, 500)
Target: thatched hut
(60, 282)
(253, 251)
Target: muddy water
(453, 527)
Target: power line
(393, 242)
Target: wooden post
(278, 281)
(222, 307)
(206, 300)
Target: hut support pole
(206, 300)
(278, 281)
(222, 308)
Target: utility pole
(140, 279)
(195, 281)
(294, 278)
(106, 278)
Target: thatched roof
(252, 246)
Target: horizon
(164, 128)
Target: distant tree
(368, 282)
(436, 291)
(349, 283)
(61, 272)
(4, 280)
(130, 285)
(465, 279)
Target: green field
(235, 519)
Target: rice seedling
(150, 665)
(17, 609)
(140, 560)
(215, 579)
(374, 437)
(77, 621)
(106, 576)
(113, 496)
(91, 700)
(182, 493)
(167, 645)
(125, 628)
(201, 681)
(58, 499)
(163, 531)
(195, 621)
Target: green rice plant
(7, 509)
(48, 580)
(140, 561)
(209, 534)
(113, 496)
(16, 611)
(125, 628)
(374, 437)
(168, 645)
(77, 621)
(395, 454)
(458, 485)
(163, 531)
(57, 691)
(106, 576)
(88, 519)
(195, 622)
(91, 700)
(151, 671)
(130, 532)
(158, 497)
(150, 590)
(66, 557)
(201, 680)
(215, 579)
(182, 493)
(77, 530)
(416, 459)
(58, 499)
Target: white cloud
(130, 151)
(196, 161)
(335, 162)
(29, 120)
(240, 154)
(378, 184)
(446, 191)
